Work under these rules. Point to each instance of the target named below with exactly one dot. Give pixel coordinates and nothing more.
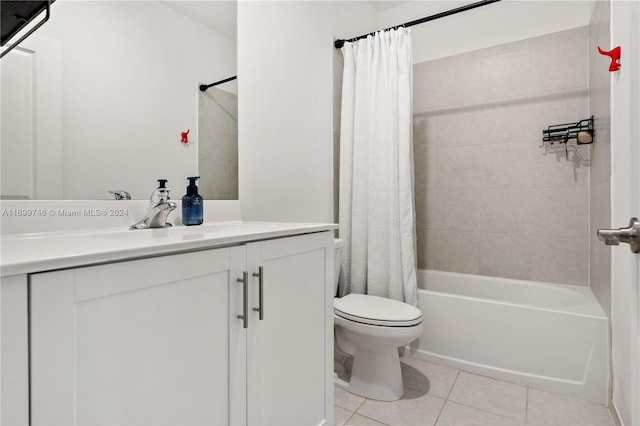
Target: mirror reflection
(107, 90)
(218, 143)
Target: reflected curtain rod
(340, 42)
(204, 87)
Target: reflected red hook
(615, 57)
(185, 137)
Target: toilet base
(375, 375)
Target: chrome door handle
(630, 235)
(245, 299)
(260, 308)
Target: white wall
(130, 73)
(490, 25)
(285, 53)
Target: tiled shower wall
(600, 178)
(489, 199)
(218, 144)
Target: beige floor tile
(358, 420)
(458, 414)
(495, 396)
(436, 380)
(341, 415)
(545, 408)
(415, 408)
(443, 394)
(346, 400)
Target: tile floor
(438, 395)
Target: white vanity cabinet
(290, 351)
(159, 340)
(151, 341)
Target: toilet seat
(374, 310)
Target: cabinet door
(151, 341)
(290, 351)
(14, 348)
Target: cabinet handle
(260, 308)
(245, 299)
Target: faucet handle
(161, 193)
(120, 194)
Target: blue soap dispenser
(192, 204)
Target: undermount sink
(186, 232)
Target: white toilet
(370, 329)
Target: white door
(31, 110)
(625, 194)
(145, 342)
(17, 107)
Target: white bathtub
(548, 336)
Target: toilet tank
(338, 244)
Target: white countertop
(46, 251)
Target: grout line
(371, 418)
(484, 410)
(349, 418)
(453, 385)
(446, 399)
(489, 412)
(526, 406)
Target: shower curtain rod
(340, 42)
(204, 87)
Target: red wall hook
(614, 54)
(185, 137)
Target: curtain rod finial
(339, 43)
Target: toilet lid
(376, 310)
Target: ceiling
(221, 15)
(381, 5)
(217, 15)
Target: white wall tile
(458, 82)
(561, 62)
(457, 251)
(504, 210)
(562, 260)
(505, 255)
(507, 75)
(424, 87)
(558, 212)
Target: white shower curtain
(376, 168)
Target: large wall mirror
(99, 98)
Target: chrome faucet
(159, 209)
(119, 194)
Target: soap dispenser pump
(192, 204)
